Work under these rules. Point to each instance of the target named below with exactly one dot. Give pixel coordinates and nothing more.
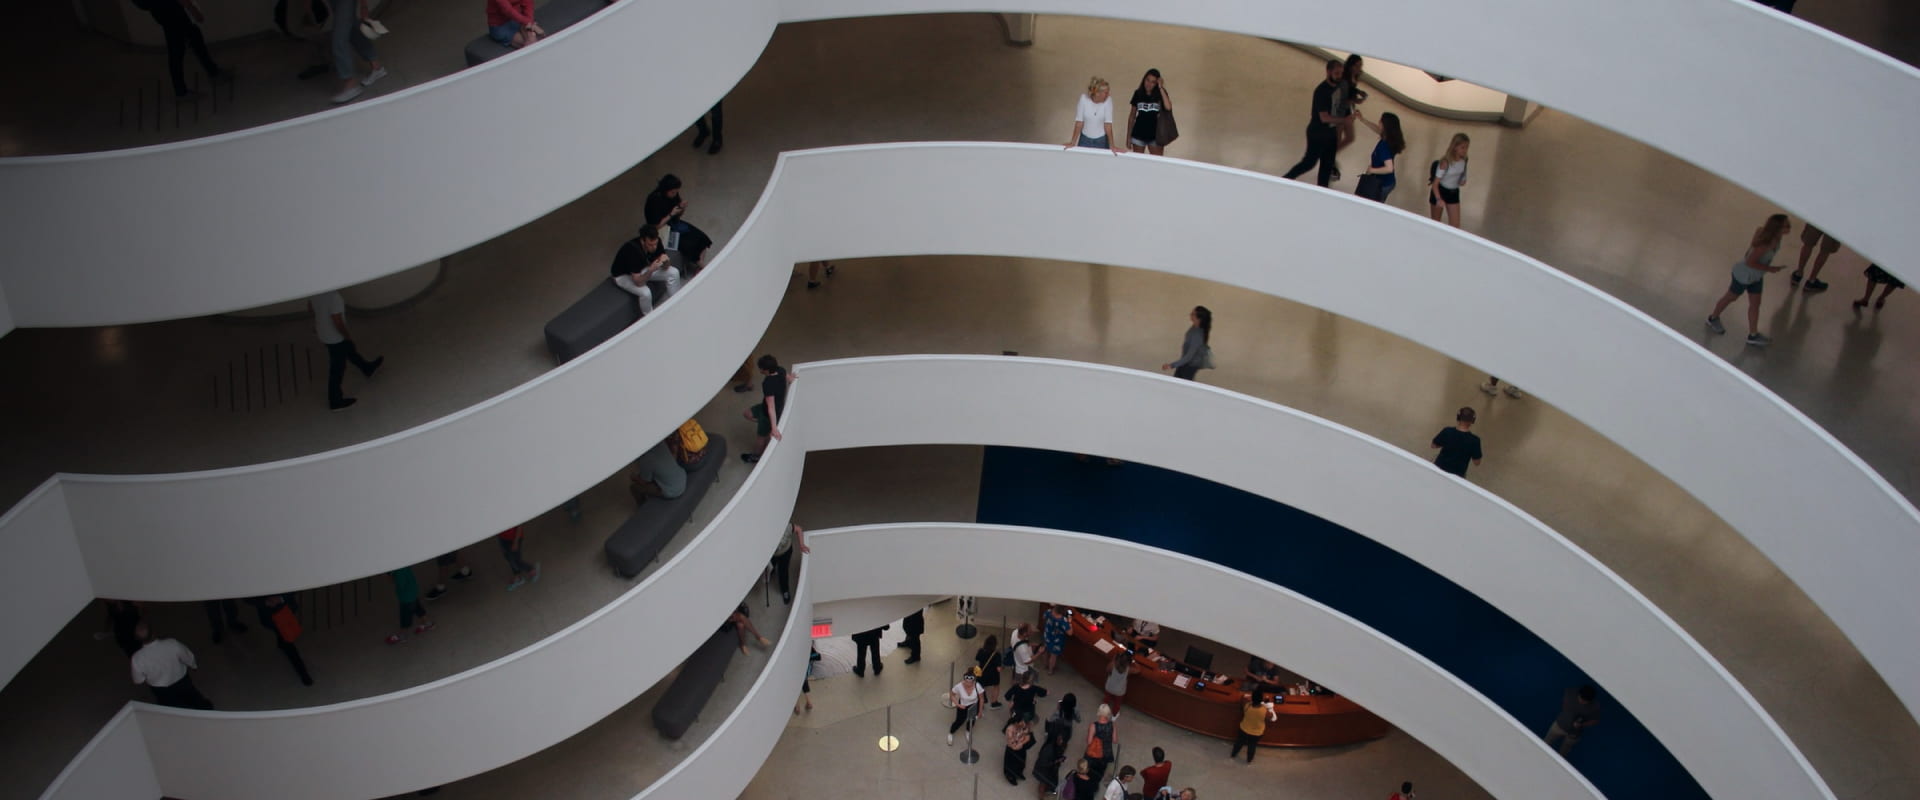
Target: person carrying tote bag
(1150, 125)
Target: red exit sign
(823, 628)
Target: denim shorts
(1096, 142)
(1736, 287)
(504, 32)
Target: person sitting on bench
(639, 261)
(666, 206)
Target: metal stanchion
(966, 630)
(970, 755)
(889, 743)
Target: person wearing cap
(1457, 445)
(965, 697)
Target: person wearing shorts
(1810, 237)
(766, 413)
(1748, 276)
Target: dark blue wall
(1344, 570)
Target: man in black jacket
(914, 625)
(863, 642)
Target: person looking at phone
(640, 260)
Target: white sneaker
(1513, 391)
(1489, 389)
(347, 94)
(374, 77)
(949, 740)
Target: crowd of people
(1331, 116)
(1058, 768)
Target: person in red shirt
(511, 541)
(1405, 793)
(510, 22)
(1154, 778)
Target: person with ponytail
(1196, 351)
(1378, 181)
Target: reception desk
(1161, 692)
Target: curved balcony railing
(1699, 711)
(286, 210)
(1716, 433)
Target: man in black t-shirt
(773, 399)
(1323, 128)
(1457, 445)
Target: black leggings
(1247, 740)
(1187, 372)
(960, 716)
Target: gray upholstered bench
(552, 16)
(605, 311)
(639, 540)
(693, 687)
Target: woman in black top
(665, 206)
(1195, 354)
(1143, 121)
(1053, 752)
(988, 659)
(1085, 783)
(773, 399)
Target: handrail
(1678, 690)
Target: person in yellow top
(1253, 724)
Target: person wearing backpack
(794, 536)
(1445, 178)
(280, 613)
(657, 473)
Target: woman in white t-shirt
(1093, 118)
(965, 698)
(1449, 176)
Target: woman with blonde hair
(1748, 274)
(1447, 176)
(1093, 118)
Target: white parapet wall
(1676, 689)
(255, 217)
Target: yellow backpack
(689, 443)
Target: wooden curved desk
(1168, 696)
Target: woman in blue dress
(1053, 634)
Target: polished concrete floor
(1638, 224)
